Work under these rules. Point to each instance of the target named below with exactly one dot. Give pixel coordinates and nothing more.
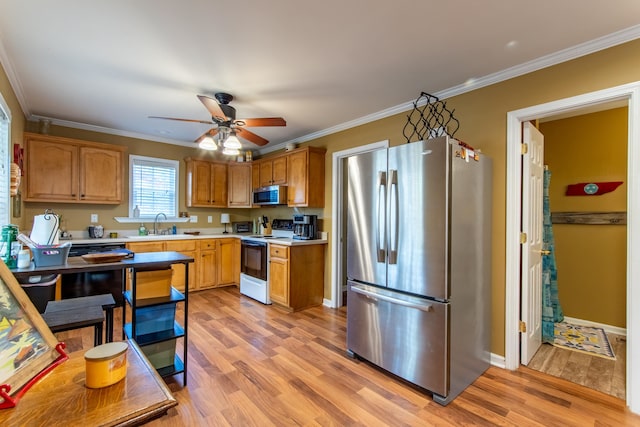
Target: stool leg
(109, 318)
(97, 337)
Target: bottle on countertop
(174, 229)
(136, 212)
(142, 231)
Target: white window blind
(5, 171)
(153, 186)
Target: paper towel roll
(45, 229)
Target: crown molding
(111, 131)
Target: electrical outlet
(193, 218)
(94, 217)
(209, 219)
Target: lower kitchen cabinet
(188, 248)
(216, 261)
(296, 276)
(208, 264)
(228, 261)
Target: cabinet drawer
(276, 251)
(146, 246)
(181, 245)
(207, 244)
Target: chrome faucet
(155, 222)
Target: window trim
(175, 164)
(5, 192)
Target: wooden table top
(79, 265)
(61, 398)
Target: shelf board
(155, 337)
(176, 368)
(175, 297)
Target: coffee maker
(305, 227)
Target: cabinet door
(266, 173)
(219, 185)
(255, 175)
(100, 174)
(198, 183)
(226, 266)
(297, 189)
(188, 248)
(52, 171)
(239, 185)
(279, 171)
(139, 247)
(279, 274)
(208, 269)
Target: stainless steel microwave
(271, 195)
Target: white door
(531, 279)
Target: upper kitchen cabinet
(72, 171)
(239, 185)
(305, 177)
(206, 183)
(272, 171)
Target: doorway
(629, 94)
(588, 249)
(338, 228)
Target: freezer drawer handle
(375, 296)
(380, 231)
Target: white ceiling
(323, 65)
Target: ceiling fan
(226, 126)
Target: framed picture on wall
(27, 344)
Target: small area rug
(584, 339)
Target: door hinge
(523, 326)
(524, 149)
(523, 238)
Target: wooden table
(61, 398)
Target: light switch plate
(193, 218)
(94, 218)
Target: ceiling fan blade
(250, 136)
(213, 107)
(211, 132)
(207, 122)
(264, 121)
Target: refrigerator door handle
(395, 215)
(380, 219)
(376, 296)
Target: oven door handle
(254, 244)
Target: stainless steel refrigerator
(418, 263)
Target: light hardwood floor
(254, 365)
(605, 375)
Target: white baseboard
(498, 361)
(607, 328)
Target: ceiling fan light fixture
(231, 151)
(232, 142)
(208, 143)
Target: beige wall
(591, 259)
(482, 115)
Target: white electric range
(254, 264)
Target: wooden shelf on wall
(589, 218)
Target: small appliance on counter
(242, 227)
(305, 227)
(95, 231)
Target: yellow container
(106, 364)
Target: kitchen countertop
(125, 239)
